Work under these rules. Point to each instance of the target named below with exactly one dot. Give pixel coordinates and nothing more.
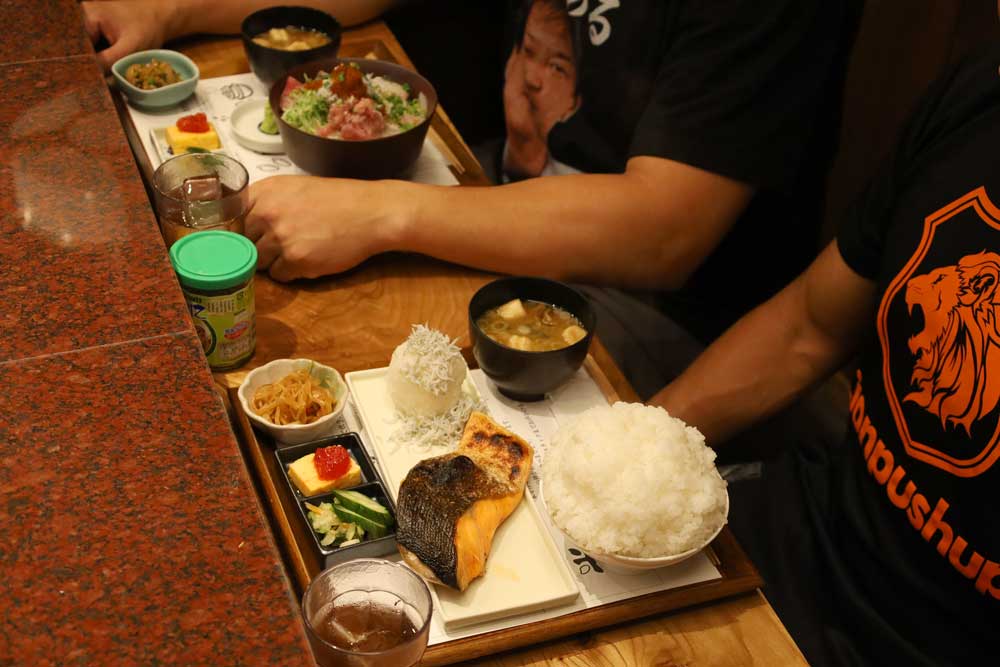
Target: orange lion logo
(957, 368)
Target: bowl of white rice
(634, 487)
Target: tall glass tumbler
(367, 612)
(198, 191)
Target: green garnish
(268, 125)
(307, 111)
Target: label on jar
(225, 324)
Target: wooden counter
(355, 320)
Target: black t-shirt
(741, 88)
(913, 525)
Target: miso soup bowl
(372, 159)
(521, 375)
(271, 64)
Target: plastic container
(371, 486)
(215, 269)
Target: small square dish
(354, 523)
(163, 149)
(166, 95)
(297, 465)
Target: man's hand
(306, 226)
(527, 151)
(127, 26)
(517, 107)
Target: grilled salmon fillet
(450, 506)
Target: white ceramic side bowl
(294, 434)
(630, 564)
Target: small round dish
(629, 564)
(246, 120)
(294, 434)
(164, 96)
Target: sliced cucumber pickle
(373, 528)
(361, 504)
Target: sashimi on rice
(351, 105)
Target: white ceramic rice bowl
(631, 564)
(294, 434)
(633, 486)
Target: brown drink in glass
(198, 191)
(367, 613)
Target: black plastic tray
(371, 485)
(381, 546)
(349, 441)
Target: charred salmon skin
(449, 507)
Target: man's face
(549, 66)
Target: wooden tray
(461, 162)
(738, 574)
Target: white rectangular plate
(524, 572)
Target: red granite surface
(81, 260)
(130, 532)
(41, 29)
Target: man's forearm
(773, 354)
(637, 230)
(225, 16)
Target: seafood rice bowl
(353, 117)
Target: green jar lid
(213, 259)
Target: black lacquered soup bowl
(518, 374)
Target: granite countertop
(131, 533)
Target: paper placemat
(536, 422)
(218, 97)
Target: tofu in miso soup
(531, 326)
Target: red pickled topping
(196, 122)
(332, 462)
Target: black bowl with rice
(384, 156)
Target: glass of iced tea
(198, 191)
(367, 613)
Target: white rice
(631, 480)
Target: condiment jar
(215, 269)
